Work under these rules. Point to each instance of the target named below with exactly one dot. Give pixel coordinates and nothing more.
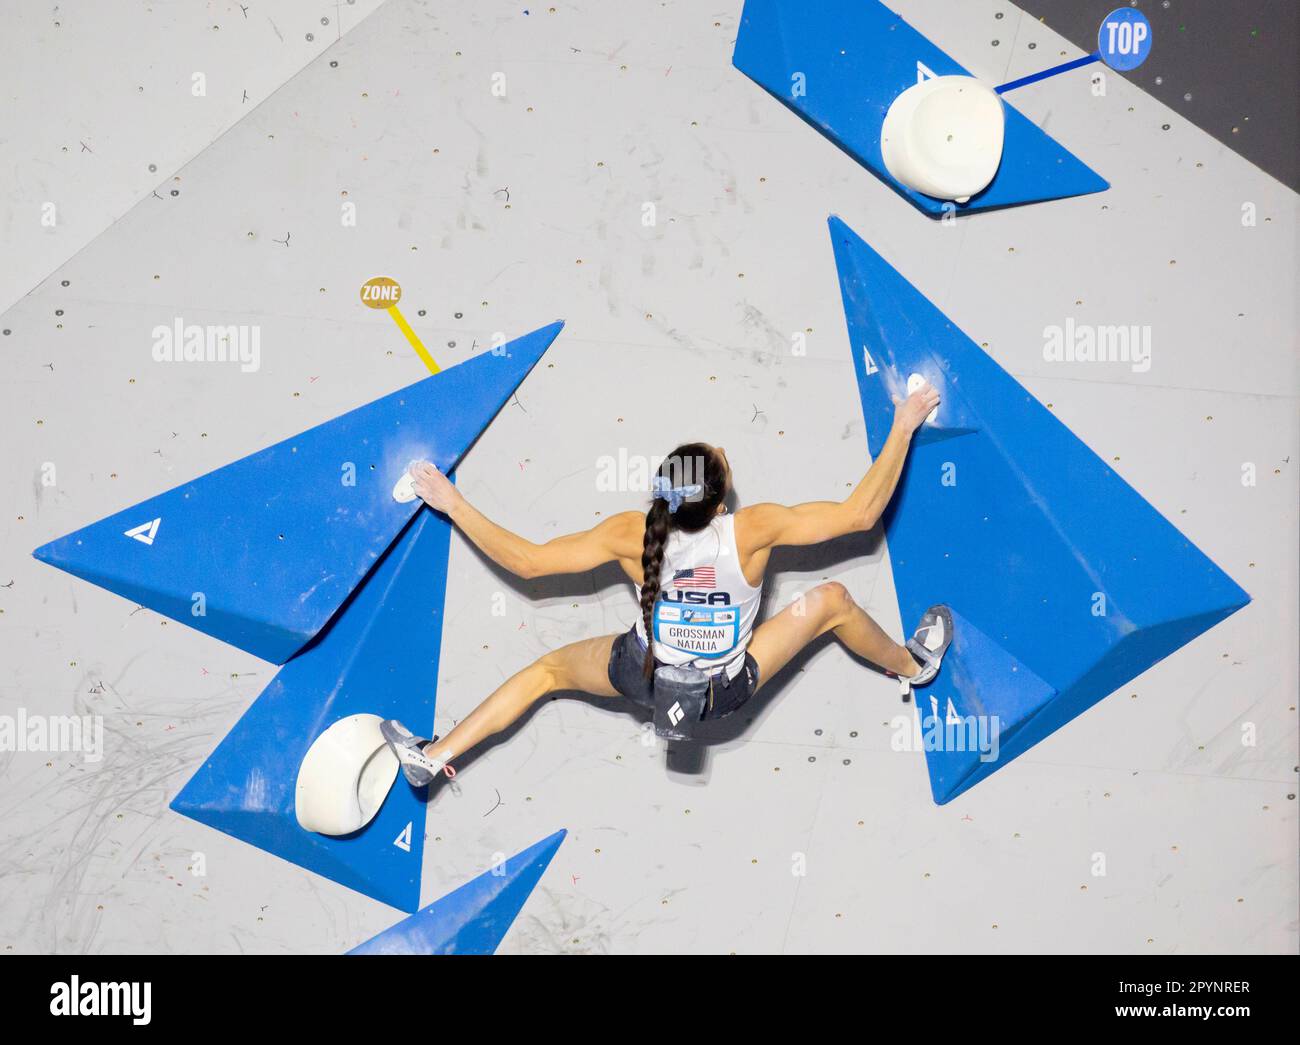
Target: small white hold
(404, 491)
(915, 381)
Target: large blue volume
(1064, 583)
(840, 64)
(378, 656)
(262, 553)
(475, 918)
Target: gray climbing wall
(90, 129)
(1164, 820)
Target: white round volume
(345, 777)
(943, 137)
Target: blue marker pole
(1123, 43)
(1078, 63)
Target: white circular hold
(345, 777)
(404, 490)
(943, 137)
(915, 381)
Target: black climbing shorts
(626, 675)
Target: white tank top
(706, 609)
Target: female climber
(698, 572)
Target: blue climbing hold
(476, 917)
(839, 64)
(261, 553)
(1064, 582)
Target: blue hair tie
(674, 495)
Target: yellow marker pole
(411, 336)
(382, 292)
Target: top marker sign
(1124, 39)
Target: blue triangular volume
(852, 58)
(378, 656)
(981, 698)
(476, 917)
(275, 542)
(1063, 572)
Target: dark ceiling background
(1239, 60)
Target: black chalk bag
(681, 692)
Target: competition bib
(702, 631)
